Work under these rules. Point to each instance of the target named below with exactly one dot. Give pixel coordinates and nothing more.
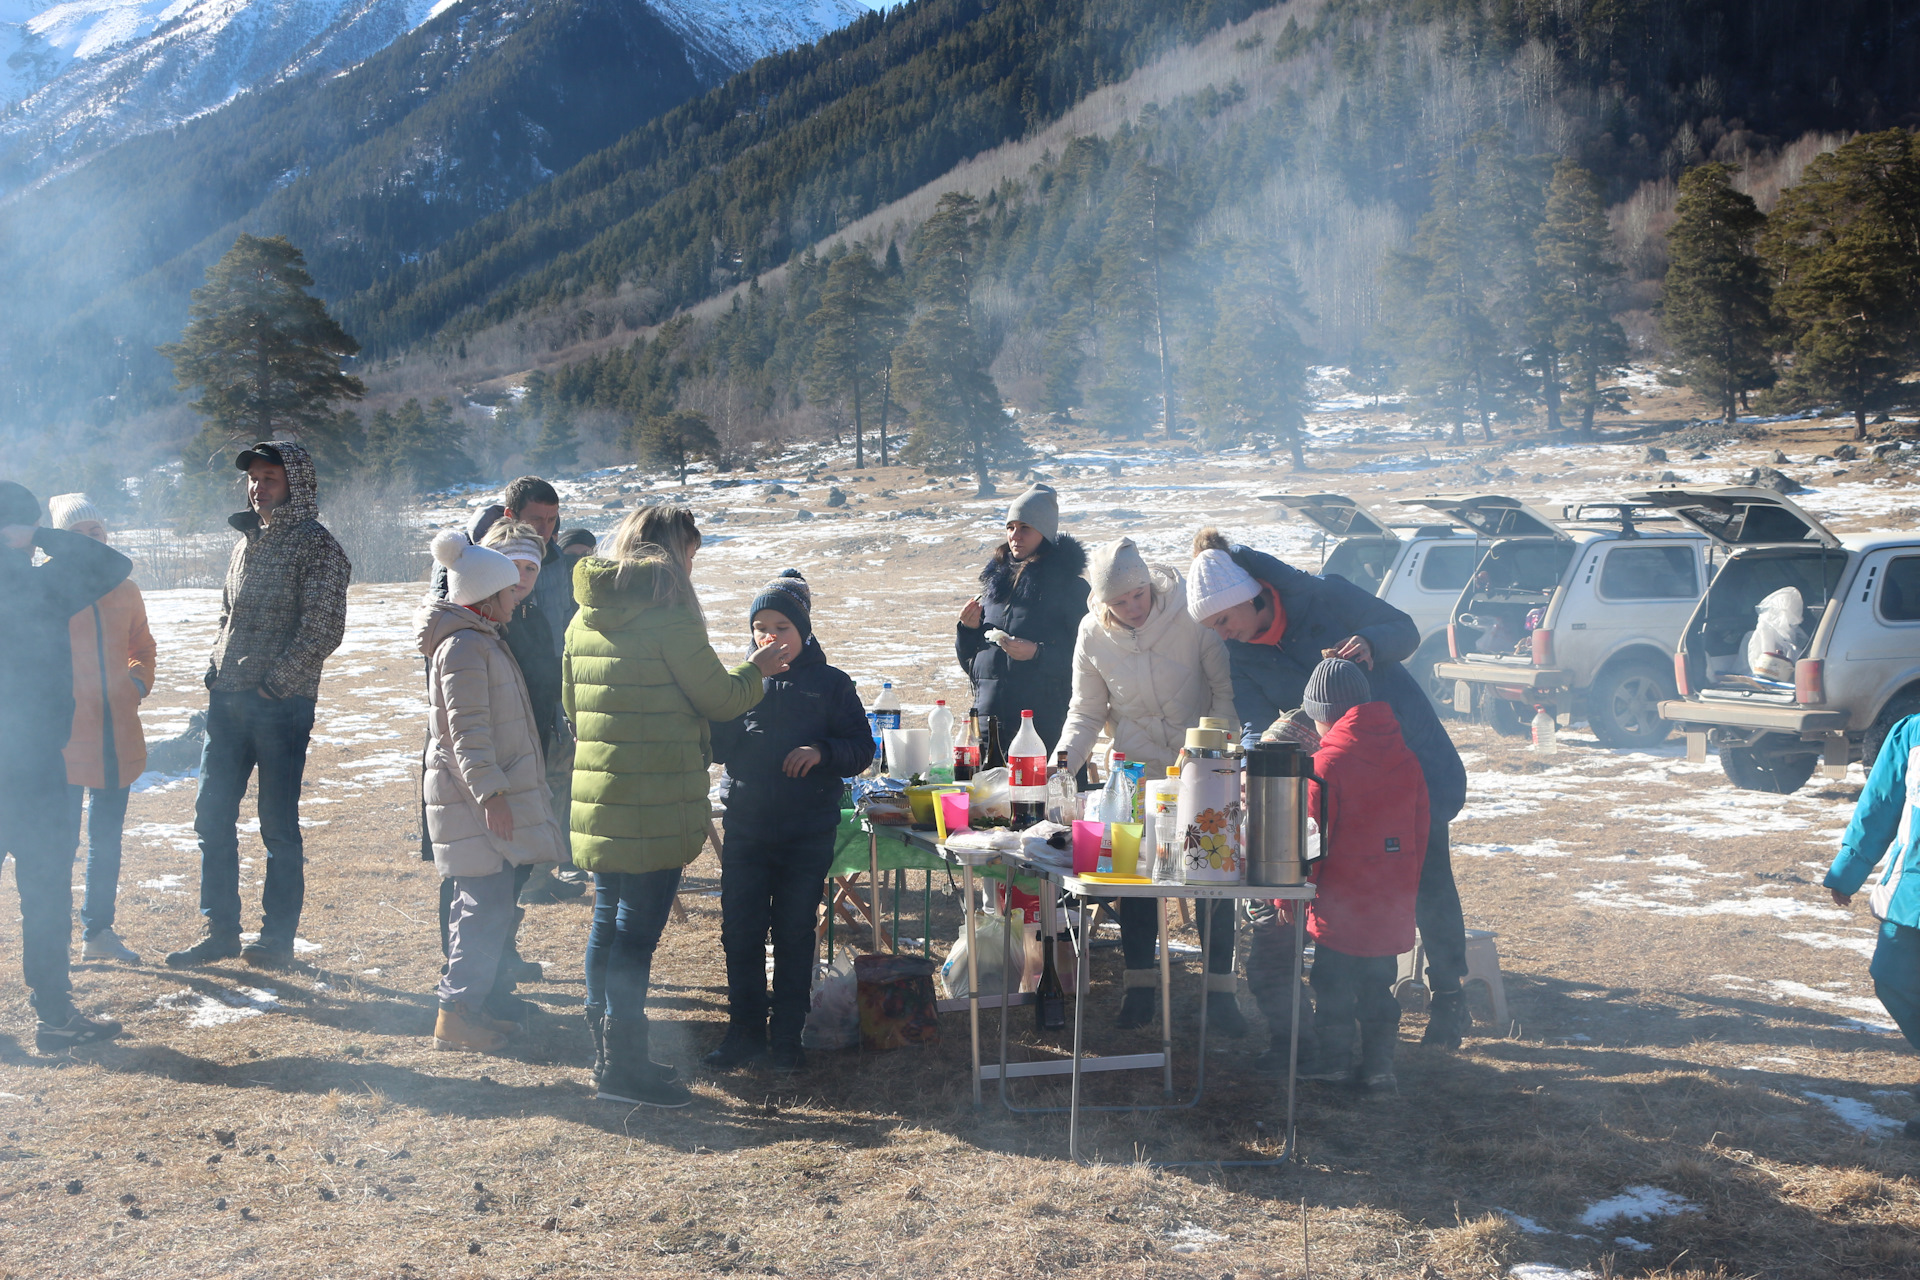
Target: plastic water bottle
(1545, 740)
(887, 706)
(1027, 774)
(1163, 828)
(940, 743)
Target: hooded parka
(483, 741)
(1370, 798)
(640, 682)
(1148, 685)
(285, 604)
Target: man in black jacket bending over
(36, 714)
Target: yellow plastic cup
(1126, 848)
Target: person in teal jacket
(1882, 827)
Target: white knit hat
(473, 573)
(69, 509)
(1114, 569)
(1216, 584)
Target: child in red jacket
(1371, 801)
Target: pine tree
(1715, 305)
(672, 439)
(1256, 364)
(1140, 254)
(858, 323)
(263, 351)
(558, 446)
(1509, 197)
(1844, 250)
(1574, 248)
(1436, 314)
(940, 365)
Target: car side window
(1650, 573)
(1900, 590)
(1447, 568)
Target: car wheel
(1623, 707)
(1420, 667)
(1780, 775)
(1898, 708)
(1508, 719)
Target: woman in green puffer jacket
(640, 682)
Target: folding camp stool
(1483, 965)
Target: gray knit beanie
(1039, 507)
(1335, 688)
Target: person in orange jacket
(113, 666)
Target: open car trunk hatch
(1491, 515)
(1743, 516)
(1336, 513)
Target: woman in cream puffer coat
(1145, 671)
(483, 779)
(485, 742)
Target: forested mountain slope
(365, 171)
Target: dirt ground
(1693, 1037)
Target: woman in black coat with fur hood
(1033, 592)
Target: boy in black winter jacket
(785, 760)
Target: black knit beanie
(18, 505)
(789, 594)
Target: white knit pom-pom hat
(1216, 584)
(473, 573)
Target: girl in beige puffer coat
(1147, 672)
(483, 779)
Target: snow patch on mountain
(77, 76)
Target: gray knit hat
(1335, 688)
(1039, 507)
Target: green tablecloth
(851, 855)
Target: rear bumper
(1702, 716)
(1501, 676)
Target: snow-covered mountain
(77, 76)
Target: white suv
(1860, 672)
(1418, 567)
(1578, 614)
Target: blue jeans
(33, 829)
(246, 731)
(106, 812)
(771, 888)
(1896, 977)
(629, 915)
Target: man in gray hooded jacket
(283, 611)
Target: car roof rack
(1622, 515)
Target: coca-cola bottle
(1027, 774)
(966, 748)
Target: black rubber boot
(1376, 1055)
(1223, 1013)
(1139, 1003)
(743, 1044)
(630, 1076)
(1447, 1021)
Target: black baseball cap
(262, 452)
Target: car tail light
(1453, 642)
(1543, 648)
(1680, 674)
(1809, 682)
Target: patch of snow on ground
(1856, 1114)
(1637, 1204)
(1191, 1238)
(1875, 1012)
(232, 1006)
(1833, 942)
(1542, 1271)
(1523, 1222)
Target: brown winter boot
(461, 1027)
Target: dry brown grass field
(1689, 1012)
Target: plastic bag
(897, 1007)
(992, 797)
(834, 1020)
(1778, 638)
(990, 939)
